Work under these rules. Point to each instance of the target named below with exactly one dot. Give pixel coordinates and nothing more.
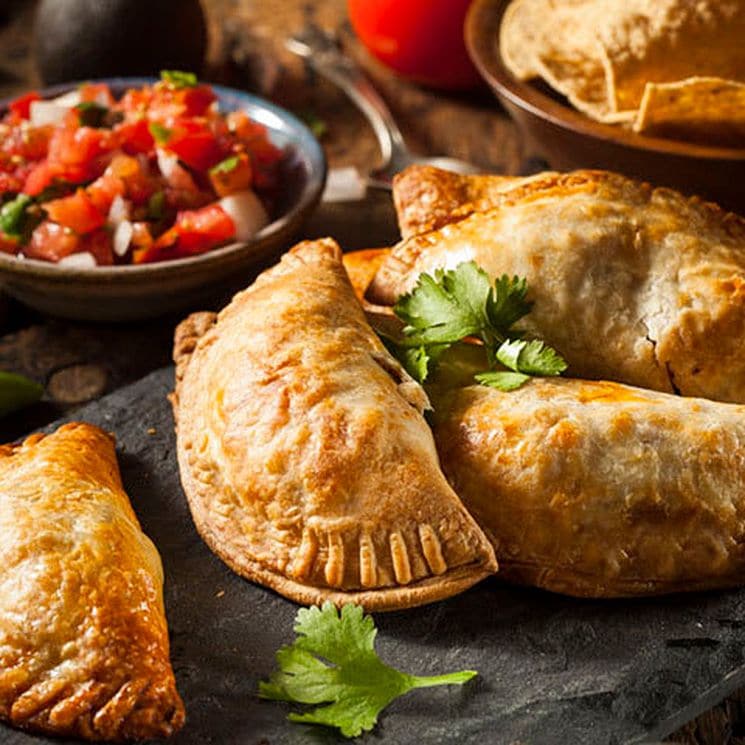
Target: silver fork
(325, 57)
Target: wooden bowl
(131, 292)
(568, 139)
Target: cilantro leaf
(156, 205)
(507, 304)
(226, 166)
(356, 685)
(13, 215)
(447, 307)
(531, 358)
(179, 79)
(92, 114)
(160, 133)
(502, 379)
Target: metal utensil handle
(327, 60)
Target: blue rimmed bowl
(126, 293)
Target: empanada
(303, 451)
(426, 198)
(83, 634)
(629, 283)
(599, 489)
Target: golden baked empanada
(630, 283)
(303, 451)
(83, 634)
(426, 198)
(599, 489)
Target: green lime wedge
(16, 391)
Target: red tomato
(76, 151)
(9, 244)
(194, 232)
(134, 137)
(21, 106)
(51, 242)
(10, 182)
(138, 185)
(40, 176)
(104, 190)
(98, 243)
(197, 100)
(98, 93)
(30, 143)
(195, 145)
(76, 212)
(421, 39)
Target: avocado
(86, 39)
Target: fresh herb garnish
(13, 215)
(179, 79)
(333, 661)
(160, 133)
(17, 391)
(156, 205)
(226, 166)
(454, 304)
(92, 114)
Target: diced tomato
(99, 93)
(51, 242)
(41, 176)
(232, 175)
(136, 101)
(9, 244)
(194, 232)
(21, 106)
(196, 100)
(100, 244)
(76, 152)
(76, 212)
(10, 182)
(29, 143)
(195, 145)
(104, 190)
(134, 137)
(138, 185)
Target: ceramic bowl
(568, 139)
(125, 293)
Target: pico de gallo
(159, 174)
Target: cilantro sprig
(179, 78)
(333, 661)
(444, 309)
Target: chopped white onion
(122, 237)
(82, 260)
(46, 112)
(68, 100)
(247, 212)
(119, 211)
(344, 185)
(167, 162)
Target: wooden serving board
(552, 669)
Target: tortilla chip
(666, 41)
(709, 110)
(557, 41)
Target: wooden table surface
(80, 362)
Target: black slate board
(552, 669)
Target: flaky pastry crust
(599, 489)
(83, 634)
(303, 451)
(630, 283)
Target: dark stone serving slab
(551, 669)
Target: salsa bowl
(138, 291)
